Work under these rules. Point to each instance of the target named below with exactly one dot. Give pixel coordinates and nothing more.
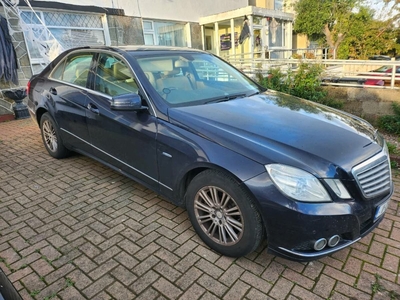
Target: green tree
(367, 36)
(327, 20)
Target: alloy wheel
(218, 215)
(50, 136)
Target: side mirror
(127, 102)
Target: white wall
(180, 10)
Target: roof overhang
(246, 11)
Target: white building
(49, 27)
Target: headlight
(297, 184)
(337, 186)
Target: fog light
(334, 240)
(320, 244)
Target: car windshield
(382, 69)
(186, 79)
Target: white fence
(367, 73)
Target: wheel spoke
(46, 129)
(214, 196)
(234, 223)
(205, 218)
(232, 234)
(203, 207)
(206, 198)
(234, 211)
(212, 228)
(222, 235)
(224, 200)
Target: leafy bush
(392, 148)
(304, 83)
(391, 123)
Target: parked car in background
(247, 163)
(386, 71)
(380, 57)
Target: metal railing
(354, 73)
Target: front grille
(373, 176)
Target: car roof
(138, 49)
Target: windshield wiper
(224, 98)
(253, 94)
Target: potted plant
(20, 108)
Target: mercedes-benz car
(247, 163)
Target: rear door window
(75, 69)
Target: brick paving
(75, 229)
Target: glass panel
(195, 78)
(113, 77)
(77, 69)
(148, 26)
(170, 34)
(164, 33)
(278, 4)
(72, 20)
(30, 18)
(58, 73)
(149, 39)
(70, 38)
(257, 20)
(275, 30)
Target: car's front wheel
(51, 137)
(223, 214)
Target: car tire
(224, 214)
(51, 137)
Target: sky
(381, 12)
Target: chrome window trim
(87, 50)
(152, 109)
(117, 159)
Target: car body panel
(284, 129)
(136, 155)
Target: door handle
(93, 108)
(53, 91)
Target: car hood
(277, 128)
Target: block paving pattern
(75, 229)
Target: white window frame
(40, 13)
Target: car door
(124, 139)
(67, 98)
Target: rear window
(75, 69)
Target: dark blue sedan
(247, 163)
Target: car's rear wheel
(223, 214)
(51, 137)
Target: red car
(387, 72)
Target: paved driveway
(74, 229)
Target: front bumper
(293, 227)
